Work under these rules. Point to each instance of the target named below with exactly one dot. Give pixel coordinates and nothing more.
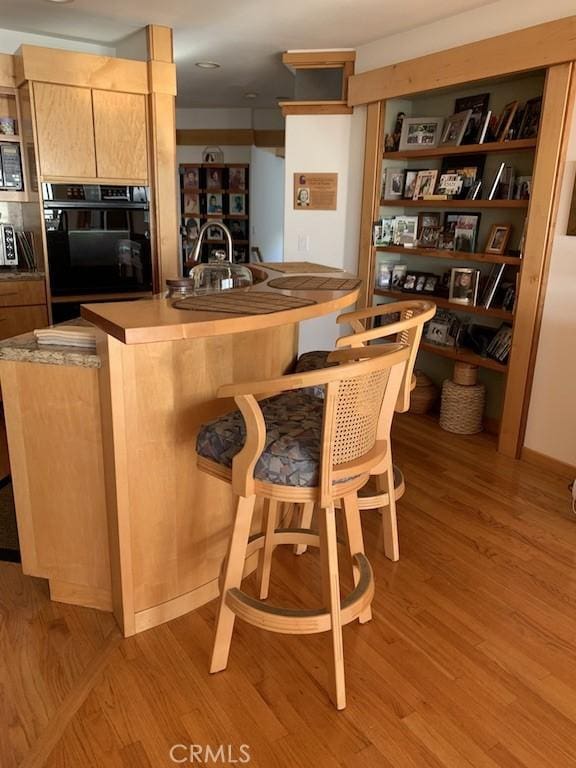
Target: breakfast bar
(111, 508)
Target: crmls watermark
(206, 754)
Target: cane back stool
(294, 447)
(402, 322)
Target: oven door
(98, 249)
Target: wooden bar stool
(402, 322)
(297, 448)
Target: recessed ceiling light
(201, 64)
(250, 95)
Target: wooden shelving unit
(437, 253)
(520, 145)
(463, 356)
(10, 107)
(463, 205)
(502, 314)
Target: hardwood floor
(470, 659)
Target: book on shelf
(492, 284)
(500, 346)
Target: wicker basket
(465, 374)
(424, 395)
(462, 408)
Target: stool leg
(389, 520)
(355, 541)
(306, 512)
(331, 594)
(232, 578)
(265, 560)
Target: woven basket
(465, 374)
(462, 408)
(423, 395)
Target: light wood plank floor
(470, 659)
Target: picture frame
(450, 184)
(387, 230)
(478, 105)
(492, 283)
(498, 239)
(466, 232)
(425, 184)
(410, 183)
(464, 285)
(237, 179)
(214, 234)
(214, 203)
(384, 275)
(214, 179)
(420, 283)
(398, 275)
(191, 203)
(531, 119)
(431, 284)
(191, 177)
(213, 155)
(455, 128)
(405, 230)
(505, 121)
(237, 229)
(429, 219)
(394, 184)
(438, 332)
(448, 229)
(420, 133)
(523, 188)
(429, 237)
(410, 279)
(237, 204)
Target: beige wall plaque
(315, 191)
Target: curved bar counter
(111, 508)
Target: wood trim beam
(6, 71)
(315, 108)
(50, 65)
(160, 43)
(535, 47)
(269, 138)
(547, 178)
(370, 198)
(239, 137)
(317, 59)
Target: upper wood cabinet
(120, 131)
(91, 134)
(65, 131)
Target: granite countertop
(16, 274)
(25, 349)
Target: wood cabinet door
(65, 131)
(121, 137)
(17, 320)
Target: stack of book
(499, 347)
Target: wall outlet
(303, 243)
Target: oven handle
(97, 206)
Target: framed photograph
(384, 275)
(237, 205)
(464, 285)
(387, 230)
(191, 178)
(498, 238)
(426, 219)
(214, 179)
(405, 230)
(448, 230)
(237, 179)
(505, 121)
(425, 184)
(523, 188)
(214, 203)
(410, 281)
(455, 129)
(420, 283)
(431, 284)
(240, 254)
(478, 106)
(238, 229)
(214, 233)
(438, 332)
(398, 275)
(429, 237)
(420, 132)
(530, 119)
(212, 155)
(466, 232)
(492, 284)
(392, 140)
(394, 184)
(469, 167)
(410, 184)
(191, 203)
(450, 184)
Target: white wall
(267, 203)
(11, 40)
(551, 428)
(324, 144)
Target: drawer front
(17, 320)
(22, 293)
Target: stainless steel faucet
(204, 228)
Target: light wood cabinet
(17, 320)
(91, 134)
(65, 131)
(120, 133)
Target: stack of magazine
(499, 347)
(25, 249)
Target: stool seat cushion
(313, 361)
(291, 455)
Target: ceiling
(245, 36)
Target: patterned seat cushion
(313, 361)
(291, 455)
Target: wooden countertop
(150, 320)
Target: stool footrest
(294, 621)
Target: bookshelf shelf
(520, 145)
(434, 253)
(464, 356)
(462, 204)
(502, 314)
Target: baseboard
(547, 462)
